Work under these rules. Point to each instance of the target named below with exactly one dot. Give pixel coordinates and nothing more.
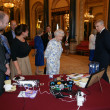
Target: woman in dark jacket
(39, 50)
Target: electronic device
(93, 67)
(61, 85)
(57, 88)
(80, 98)
(28, 83)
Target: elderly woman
(53, 53)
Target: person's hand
(35, 51)
(8, 70)
(50, 37)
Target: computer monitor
(95, 78)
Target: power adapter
(80, 98)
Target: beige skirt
(24, 65)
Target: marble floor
(69, 64)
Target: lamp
(11, 3)
(87, 15)
(66, 17)
(38, 23)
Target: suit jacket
(2, 58)
(64, 39)
(9, 36)
(102, 49)
(46, 40)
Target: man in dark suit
(102, 48)
(47, 36)
(4, 67)
(66, 41)
(11, 33)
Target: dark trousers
(2, 79)
(45, 70)
(91, 55)
(105, 77)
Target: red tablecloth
(95, 99)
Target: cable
(67, 101)
(78, 107)
(43, 92)
(51, 92)
(61, 95)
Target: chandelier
(66, 17)
(11, 3)
(87, 15)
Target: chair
(83, 48)
(31, 43)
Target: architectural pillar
(109, 16)
(81, 28)
(46, 13)
(72, 26)
(72, 18)
(27, 14)
(22, 13)
(12, 14)
(106, 13)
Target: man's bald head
(4, 19)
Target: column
(27, 14)
(72, 18)
(109, 16)
(11, 13)
(46, 13)
(106, 12)
(72, 26)
(81, 28)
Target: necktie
(13, 33)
